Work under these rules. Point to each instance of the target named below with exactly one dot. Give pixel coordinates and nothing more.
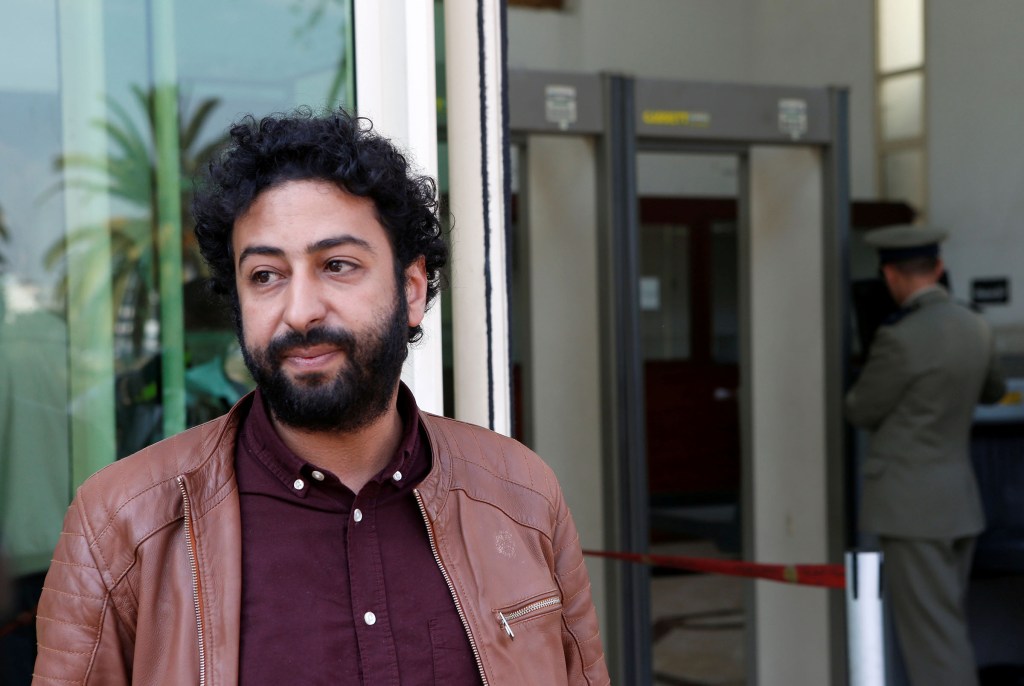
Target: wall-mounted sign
(793, 117)
(990, 291)
(700, 120)
(560, 105)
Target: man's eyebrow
(335, 241)
(260, 250)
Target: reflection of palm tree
(313, 18)
(5, 235)
(128, 175)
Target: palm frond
(190, 130)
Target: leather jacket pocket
(532, 608)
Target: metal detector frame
(628, 115)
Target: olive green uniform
(917, 393)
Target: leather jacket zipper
(194, 568)
(505, 619)
(451, 587)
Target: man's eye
(339, 266)
(262, 277)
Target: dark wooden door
(690, 341)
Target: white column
(395, 88)
(786, 387)
(476, 174)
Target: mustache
(280, 346)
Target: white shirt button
(318, 475)
(370, 618)
(357, 515)
(397, 476)
(299, 484)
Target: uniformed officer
(927, 368)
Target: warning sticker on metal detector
(793, 117)
(560, 105)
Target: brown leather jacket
(145, 584)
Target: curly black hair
(335, 146)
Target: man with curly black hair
(325, 530)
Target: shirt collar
(920, 293)
(261, 440)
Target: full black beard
(357, 395)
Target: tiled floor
(699, 638)
(698, 619)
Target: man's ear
(416, 289)
(889, 275)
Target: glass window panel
(34, 428)
(664, 291)
(293, 53)
(725, 342)
(902, 100)
(91, 202)
(904, 177)
(900, 34)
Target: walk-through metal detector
(792, 147)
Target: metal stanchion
(864, 618)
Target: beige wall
(789, 42)
(976, 169)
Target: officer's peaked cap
(905, 242)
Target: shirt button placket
(374, 635)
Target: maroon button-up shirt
(338, 587)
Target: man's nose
(306, 306)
